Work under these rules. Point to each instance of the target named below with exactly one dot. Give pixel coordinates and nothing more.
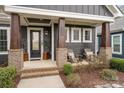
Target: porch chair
(71, 56)
(88, 53)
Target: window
(87, 35)
(67, 34)
(4, 40)
(117, 44)
(76, 35)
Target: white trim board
(28, 40)
(67, 35)
(90, 30)
(72, 35)
(54, 13)
(120, 35)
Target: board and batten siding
(76, 47)
(84, 9)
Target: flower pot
(25, 56)
(45, 56)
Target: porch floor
(39, 64)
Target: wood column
(105, 35)
(105, 50)
(15, 56)
(61, 34)
(61, 51)
(15, 42)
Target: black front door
(35, 39)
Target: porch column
(15, 57)
(105, 50)
(52, 40)
(61, 51)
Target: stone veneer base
(106, 55)
(15, 58)
(61, 56)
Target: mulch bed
(4, 65)
(92, 78)
(16, 81)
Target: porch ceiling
(55, 20)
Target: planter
(25, 56)
(45, 56)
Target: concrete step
(30, 70)
(37, 72)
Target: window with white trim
(75, 35)
(4, 44)
(117, 44)
(67, 34)
(87, 35)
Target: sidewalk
(42, 82)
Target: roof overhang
(114, 10)
(57, 14)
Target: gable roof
(114, 10)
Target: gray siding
(85, 9)
(24, 38)
(76, 47)
(55, 39)
(47, 39)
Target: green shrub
(109, 74)
(7, 74)
(117, 63)
(68, 69)
(73, 80)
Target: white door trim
(28, 40)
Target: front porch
(47, 64)
(60, 40)
(39, 64)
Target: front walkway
(42, 82)
(50, 81)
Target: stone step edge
(39, 69)
(39, 74)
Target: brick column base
(15, 58)
(61, 56)
(106, 55)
